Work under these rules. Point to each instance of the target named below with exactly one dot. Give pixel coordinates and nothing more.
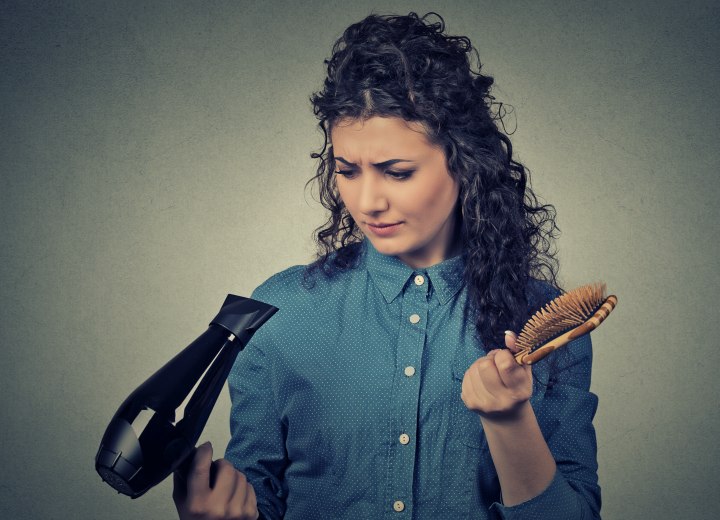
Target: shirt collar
(390, 274)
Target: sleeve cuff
(559, 500)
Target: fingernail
(511, 333)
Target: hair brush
(565, 318)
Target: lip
(382, 229)
(383, 224)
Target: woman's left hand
(496, 386)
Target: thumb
(510, 340)
(199, 481)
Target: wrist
(515, 416)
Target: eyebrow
(379, 165)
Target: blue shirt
(346, 403)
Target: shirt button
(419, 280)
(414, 318)
(398, 505)
(409, 371)
(404, 438)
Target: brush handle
(528, 358)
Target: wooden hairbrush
(562, 320)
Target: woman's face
(390, 175)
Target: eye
(400, 175)
(345, 173)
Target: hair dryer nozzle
(243, 316)
(157, 426)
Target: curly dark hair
(404, 66)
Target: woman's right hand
(229, 496)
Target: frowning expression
(396, 185)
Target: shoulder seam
(278, 278)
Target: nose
(373, 198)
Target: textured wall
(153, 158)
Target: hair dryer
(156, 428)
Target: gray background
(153, 159)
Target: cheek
(344, 193)
(433, 201)
(348, 198)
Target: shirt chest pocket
(465, 424)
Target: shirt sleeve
(565, 415)
(256, 446)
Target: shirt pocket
(465, 424)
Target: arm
(522, 458)
(545, 455)
(256, 446)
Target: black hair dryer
(155, 430)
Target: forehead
(378, 135)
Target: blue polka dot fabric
(346, 403)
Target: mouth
(383, 224)
(384, 229)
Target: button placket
(406, 395)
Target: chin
(387, 246)
(391, 246)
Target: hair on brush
(562, 320)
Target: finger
(199, 479)
(513, 376)
(488, 378)
(179, 487)
(250, 506)
(492, 353)
(244, 502)
(511, 340)
(226, 480)
(473, 393)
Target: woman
(378, 389)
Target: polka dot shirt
(346, 403)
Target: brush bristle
(565, 312)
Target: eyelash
(399, 175)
